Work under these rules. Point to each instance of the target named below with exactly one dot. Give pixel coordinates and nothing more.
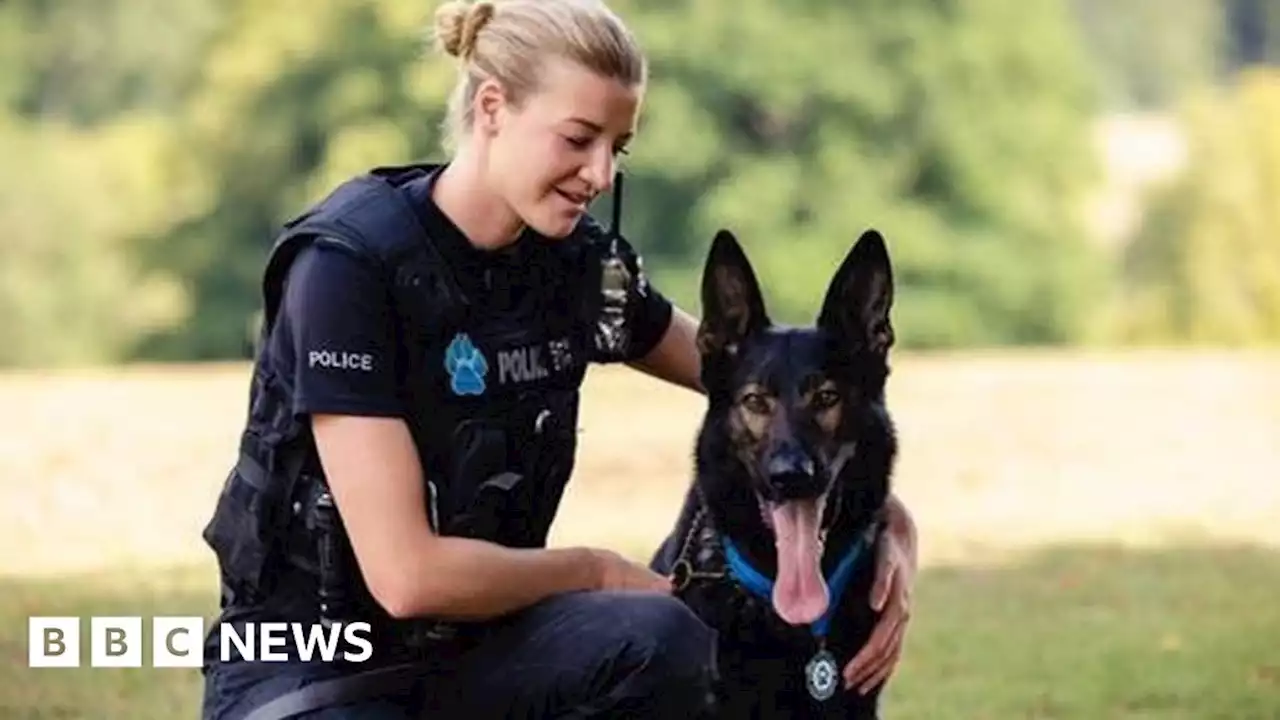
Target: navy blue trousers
(579, 655)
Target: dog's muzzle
(791, 474)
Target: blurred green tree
(1147, 54)
(85, 93)
(286, 110)
(1206, 266)
(85, 61)
(959, 129)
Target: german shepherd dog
(775, 546)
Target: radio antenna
(616, 228)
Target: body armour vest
(497, 395)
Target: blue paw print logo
(465, 365)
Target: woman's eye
(581, 143)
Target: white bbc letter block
(53, 642)
(115, 641)
(177, 642)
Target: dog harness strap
(761, 586)
(747, 576)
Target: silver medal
(821, 676)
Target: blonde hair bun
(457, 23)
(509, 41)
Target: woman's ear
(488, 105)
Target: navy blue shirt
(336, 338)
(340, 346)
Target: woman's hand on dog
(891, 596)
(615, 572)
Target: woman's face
(552, 156)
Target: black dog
(775, 546)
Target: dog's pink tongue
(799, 592)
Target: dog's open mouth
(800, 594)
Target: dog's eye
(756, 403)
(826, 399)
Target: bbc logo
(55, 642)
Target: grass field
(1100, 533)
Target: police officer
(413, 415)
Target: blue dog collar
(762, 587)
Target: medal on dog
(821, 676)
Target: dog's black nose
(791, 472)
(790, 463)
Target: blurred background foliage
(1057, 172)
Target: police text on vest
(521, 364)
(340, 360)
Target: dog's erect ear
(858, 301)
(732, 306)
